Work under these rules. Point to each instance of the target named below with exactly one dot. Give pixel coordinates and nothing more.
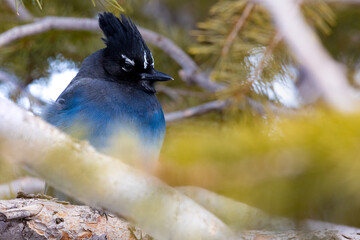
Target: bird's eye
(128, 64)
(127, 67)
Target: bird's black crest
(123, 37)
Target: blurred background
(268, 139)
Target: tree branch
(239, 24)
(195, 111)
(102, 182)
(46, 24)
(237, 215)
(190, 72)
(35, 218)
(327, 74)
(19, 10)
(40, 217)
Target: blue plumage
(112, 97)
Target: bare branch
(328, 75)
(175, 93)
(195, 111)
(10, 79)
(220, 105)
(19, 10)
(190, 71)
(47, 24)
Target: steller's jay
(113, 97)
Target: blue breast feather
(106, 109)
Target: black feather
(122, 36)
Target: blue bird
(113, 97)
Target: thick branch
(327, 74)
(36, 218)
(237, 215)
(102, 182)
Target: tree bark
(33, 218)
(48, 219)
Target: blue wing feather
(107, 109)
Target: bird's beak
(155, 76)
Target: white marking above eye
(145, 60)
(128, 60)
(153, 62)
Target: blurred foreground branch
(102, 182)
(242, 217)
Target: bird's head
(126, 56)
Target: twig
(195, 111)
(268, 51)
(175, 92)
(19, 10)
(327, 74)
(174, 95)
(239, 24)
(220, 105)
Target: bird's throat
(148, 86)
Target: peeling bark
(48, 219)
(42, 219)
